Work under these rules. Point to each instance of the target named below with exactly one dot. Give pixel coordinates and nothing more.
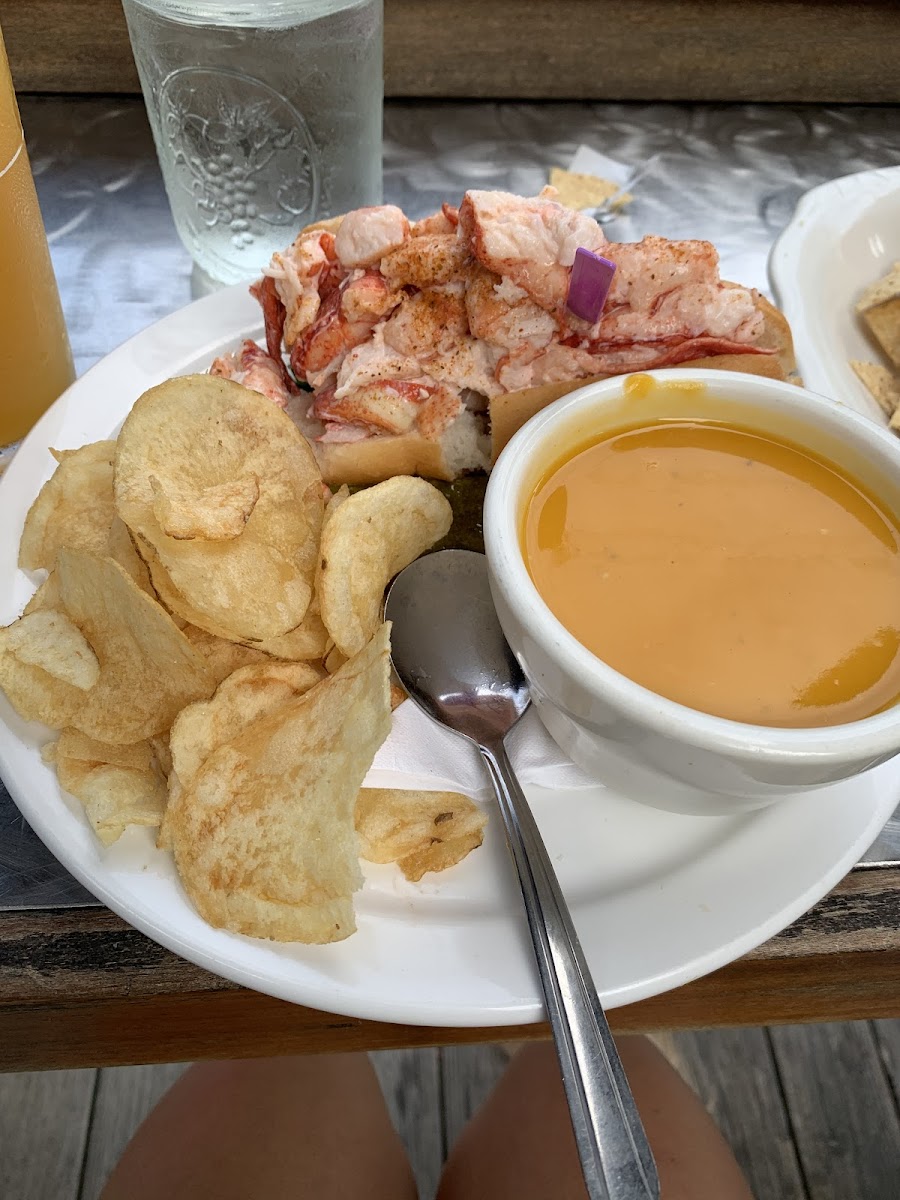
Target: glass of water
(266, 115)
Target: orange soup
(731, 572)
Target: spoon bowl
(474, 686)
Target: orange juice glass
(35, 357)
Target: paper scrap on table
(419, 753)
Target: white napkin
(587, 161)
(423, 755)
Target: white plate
(842, 237)
(659, 899)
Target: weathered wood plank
(125, 1095)
(468, 1073)
(733, 1072)
(43, 1129)
(842, 1111)
(91, 953)
(560, 49)
(887, 1038)
(80, 987)
(236, 1023)
(410, 1080)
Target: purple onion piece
(589, 284)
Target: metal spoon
(451, 656)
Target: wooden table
(826, 51)
(77, 986)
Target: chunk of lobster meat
(303, 274)
(444, 221)
(560, 362)
(530, 366)
(345, 321)
(691, 310)
(366, 235)
(274, 312)
(391, 406)
(372, 362)
(651, 268)
(531, 241)
(428, 260)
(503, 314)
(257, 370)
(470, 366)
(337, 432)
(428, 322)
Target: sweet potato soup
(739, 575)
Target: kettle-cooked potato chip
(420, 831)
(74, 508)
(264, 838)
(368, 539)
(48, 639)
(36, 694)
(216, 513)
(190, 457)
(148, 669)
(247, 694)
(118, 785)
(223, 657)
(306, 643)
(47, 596)
(120, 547)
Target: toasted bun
(462, 448)
(510, 411)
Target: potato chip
(246, 695)
(192, 451)
(162, 753)
(306, 643)
(420, 831)
(74, 508)
(48, 639)
(148, 669)
(33, 693)
(47, 596)
(121, 549)
(334, 660)
(118, 785)
(881, 384)
(580, 191)
(335, 500)
(369, 538)
(223, 657)
(78, 747)
(216, 513)
(264, 838)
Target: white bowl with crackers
(835, 273)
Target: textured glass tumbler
(266, 115)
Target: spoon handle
(615, 1155)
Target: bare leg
(520, 1145)
(301, 1128)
